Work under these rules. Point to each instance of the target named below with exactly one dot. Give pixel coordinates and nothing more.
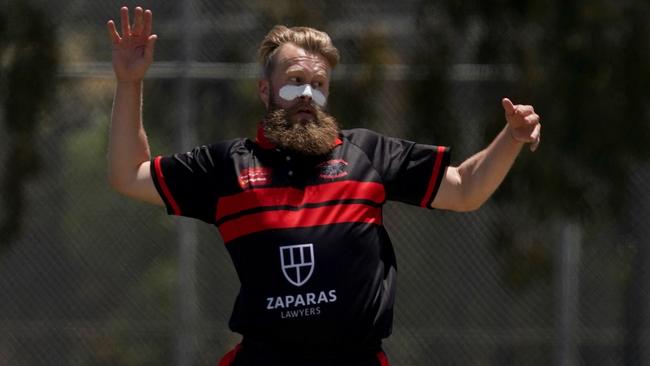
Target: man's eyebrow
(315, 70)
(296, 67)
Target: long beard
(313, 137)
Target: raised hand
(133, 50)
(523, 122)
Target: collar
(264, 142)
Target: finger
(148, 23)
(126, 26)
(148, 50)
(138, 25)
(508, 106)
(524, 110)
(532, 119)
(536, 132)
(112, 32)
(535, 145)
(536, 137)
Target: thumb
(148, 51)
(508, 106)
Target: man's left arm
(468, 186)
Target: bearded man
(300, 207)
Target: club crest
(297, 263)
(333, 169)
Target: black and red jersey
(305, 234)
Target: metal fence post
(187, 307)
(567, 281)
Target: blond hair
(310, 39)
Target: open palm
(133, 50)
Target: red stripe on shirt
(229, 357)
(287, 196)
(306, 217)
(176, 209)
(383, 360)
(434, 176)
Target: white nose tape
(291, 92)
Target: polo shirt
(305, 234)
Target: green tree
(27, 72)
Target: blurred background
(554, 270)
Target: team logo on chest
(333, 169)
(297, 263)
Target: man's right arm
(128, 150)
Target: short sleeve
(411, 172)
(190, 183)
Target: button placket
(289, 165)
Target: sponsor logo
(254, 177)
(297, 263)
(333, 169)
(300, 305)
(299, 300)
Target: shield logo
(297, 263)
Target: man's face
(294, 95)
(298, 80)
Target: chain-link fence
(92, 278)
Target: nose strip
(306, 91)
(291, 92)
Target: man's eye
(317, 84)
(295, 79)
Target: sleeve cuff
(163, 189)
(443, 156)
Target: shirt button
(290, 173)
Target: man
(299, 207)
